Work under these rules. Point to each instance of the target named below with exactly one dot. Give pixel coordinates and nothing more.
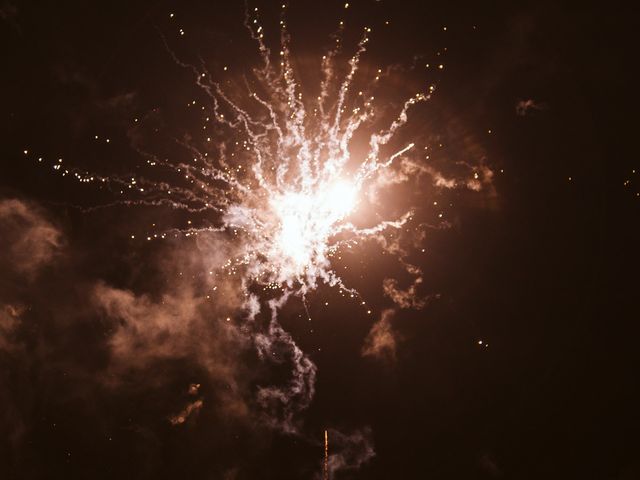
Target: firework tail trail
(325, 465)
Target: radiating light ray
(283, 180)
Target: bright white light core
(305, 222)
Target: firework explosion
(289, 193)
(243, 243)
(289, 197)
(285, 180)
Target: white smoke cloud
(283, 403)
(382, 340)
(177, 325)
(349, 452)
(28, 241)
(523, 107)
(10, 319)
(407, 298)
(476, 179)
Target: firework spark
(288, 185)
(297, 183)
(283, 181)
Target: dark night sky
(544, 269)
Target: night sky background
(542, 266)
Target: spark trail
(294, 183)
(291, 184)
(325, 466)
(282, 179)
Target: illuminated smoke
(189, 410)
(349, 451)
(381, 342)
(281, 184)
(28, 240)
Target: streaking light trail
(284, 177)
(302, 181)
(288, 183)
